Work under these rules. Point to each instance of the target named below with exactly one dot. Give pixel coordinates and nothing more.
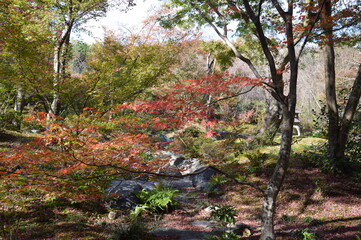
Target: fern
(159, 200)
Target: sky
(115, 20)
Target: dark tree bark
(288, 104)
(338, 128)
(19, 105)
(330, 77)
(346, 121)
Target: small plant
(308, 235)
(308, 220)
(287, 218)
(158, 200)
(225, 215)
(215, 182)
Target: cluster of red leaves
(69, 154)
(186, 100)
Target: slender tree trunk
(346, 122)
(288, 104)
(279, 173)
(54, 107)
(331, 100)
(60, 61)
(330, 80)
(19, 101)
(272, 119)
(19, 105)
(211, 64)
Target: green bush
(215, 150)
(190, 141)
(158, 200)
(257, 160)
(10, 120)
(306, 234)
(225, 215)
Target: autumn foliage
(75, 159)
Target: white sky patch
(130, 20)
(116, 19)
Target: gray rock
(124, 193)
(201, 180)
(147, 186)
(112, 215)
(181, 183)
(35, 131)
(189, 165)
(178, 161)
(170, 171)
(205, 224)
(240, 229)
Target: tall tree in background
(262, 19)
(332, 21)
(68, 15)
(24, 51)
(219, 16)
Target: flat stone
(205, 224)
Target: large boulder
(180, 183)
(123, 191)
(201, 180)
(187, 165)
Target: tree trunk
(211, 64)
(54, 107)
(346, 122)
(276, 181)
(19, 105)
(330, 80)
(272, 119)
(331, 100)
(60, 61)
(338, 129)
(288, 104)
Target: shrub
(225, 215)
(257, 160)
(10, 120)
(159, 200)
(190, 141)
(214, 150)
(308, 235)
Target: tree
(266, 21)
(219, 16)
(338, 127)
(24, 52)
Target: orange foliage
(67, 155)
